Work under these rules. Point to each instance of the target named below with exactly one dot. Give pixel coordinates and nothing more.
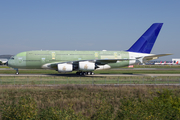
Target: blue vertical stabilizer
(145, 43)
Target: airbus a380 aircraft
(85, 62)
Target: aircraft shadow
(66, 75)
(74, 75)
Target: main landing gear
(84, 73)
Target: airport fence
(89, 80)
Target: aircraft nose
(9, 63)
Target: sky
(112, 25)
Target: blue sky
(87, 25)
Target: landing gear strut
(17, 73)
(84, 73)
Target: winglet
(145, 43)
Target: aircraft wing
(106, 61)
(97, 61)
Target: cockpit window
(12, 57)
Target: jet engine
(65, 67)
(86, 66)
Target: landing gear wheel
(80, 73)
(17, 73)
(91, 73)
(84, 73)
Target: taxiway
(96, 75)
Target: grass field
(3, 66)
(69, 100)
(59, 80)
(90, 102)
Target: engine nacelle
(86, 66)
(65, 67)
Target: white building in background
(5, 58)
(3, 61)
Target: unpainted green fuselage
(36, 59)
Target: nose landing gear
(17, 72)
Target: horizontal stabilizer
(151, 57)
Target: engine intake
(86, 66)
(65, 67)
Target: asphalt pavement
(95, 75)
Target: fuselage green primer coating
(36, 59)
